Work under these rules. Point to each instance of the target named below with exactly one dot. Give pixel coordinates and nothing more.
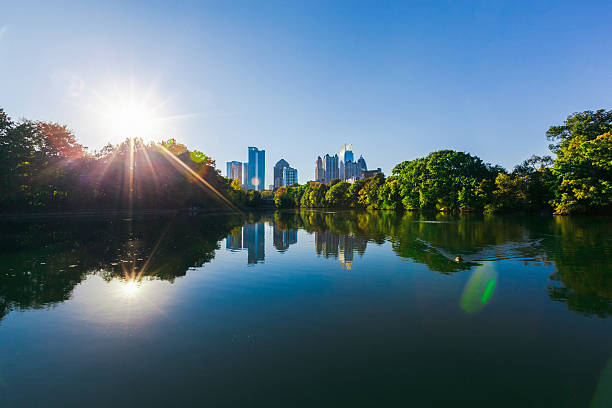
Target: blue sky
(298, 79)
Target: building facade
(319, 171)
(278, 172)
(234, 170)
(346, 155)
(256, 169)
(330, 168)
(290, 176)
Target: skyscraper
(234, 170)
(346, 155)
(290, 176)
(278, 172)
(256, 169)
(319, 171)
(330, 167)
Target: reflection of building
(326, 244)
(254, 242)
(256, 169)
(349, 244)
(234, 170)
(234, 239)
(249, 237)
(283, 238)
(342, 247)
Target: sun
(125, 110)
(130, 288)
(131, 120)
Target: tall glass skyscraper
(256, 169)
(346, 155)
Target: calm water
(306, 309)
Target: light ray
(176, 160)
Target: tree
(584, 168)
(337, 195)
(584, 161)
(446, 180)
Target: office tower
(330, 167)
(256, 169)
(290, 176)
(362, 164)
(245, 180)
(278, 172)
(346, 155)
(234, 170)
(319, 171)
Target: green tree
(337, 195)
(585, 169)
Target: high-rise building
(245, 174)
(234, 170)
(256, 175)
(330, 167)
(290, 176)
(278, 172)
(346, 155)
(319, 171)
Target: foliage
(584, 168)
(446, 180)
(44, 168)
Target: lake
(306, 308)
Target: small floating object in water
(458, 259)
(42, 263)
(72, 266)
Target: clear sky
(298, 79)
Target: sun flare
(131, 120)
(130, 288)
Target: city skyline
(400, 79)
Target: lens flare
(479, 289)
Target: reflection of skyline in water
(250, 237)
(339, 246)
(331, 245)
(43, 261)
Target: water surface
(306, 309)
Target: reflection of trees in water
(579, 248)
(42, 262)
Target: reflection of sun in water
(129, 288)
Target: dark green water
(306, 309)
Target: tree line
(44, 168)
(577, 180)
